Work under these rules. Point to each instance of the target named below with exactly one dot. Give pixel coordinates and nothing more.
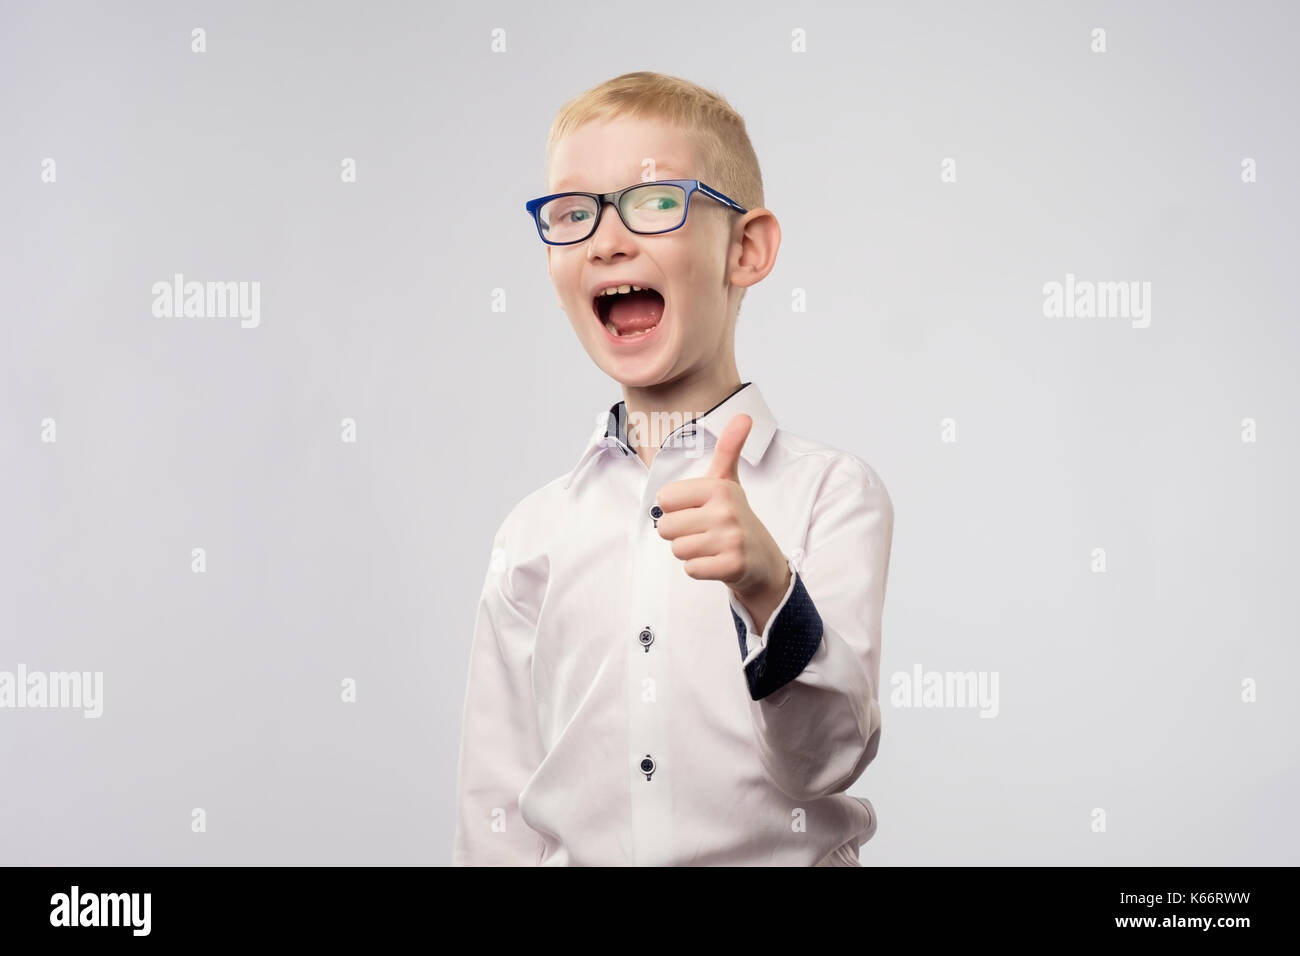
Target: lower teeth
(617, 334)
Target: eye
(574, 213)
(660, 203)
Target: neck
(656, 411)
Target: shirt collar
(747, 399)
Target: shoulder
(534, 515)
(847, 499)
(831, 469)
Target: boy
(609, 719)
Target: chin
(641, 365)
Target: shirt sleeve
(813, 675)
(501, 745)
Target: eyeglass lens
(654, 207)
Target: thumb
(727, 452)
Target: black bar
(368, 905)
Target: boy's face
(689, 267)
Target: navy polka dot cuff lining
(792, 640)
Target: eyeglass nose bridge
(610, 199)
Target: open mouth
(629, 312)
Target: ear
(755, 249)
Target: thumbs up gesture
(717, 535)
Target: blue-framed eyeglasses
(645, 208)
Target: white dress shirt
(619, 712)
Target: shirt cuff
(792, 636)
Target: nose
(611, 236)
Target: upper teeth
(617, 289)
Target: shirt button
(647, 766)
(646, 637)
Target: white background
(328, 560)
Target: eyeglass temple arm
(722, 199)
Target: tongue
(636, 311)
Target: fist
(715, 532)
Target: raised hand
(717, 535)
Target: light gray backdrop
(327, 560)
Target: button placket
(649, 690)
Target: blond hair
(727, 159)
